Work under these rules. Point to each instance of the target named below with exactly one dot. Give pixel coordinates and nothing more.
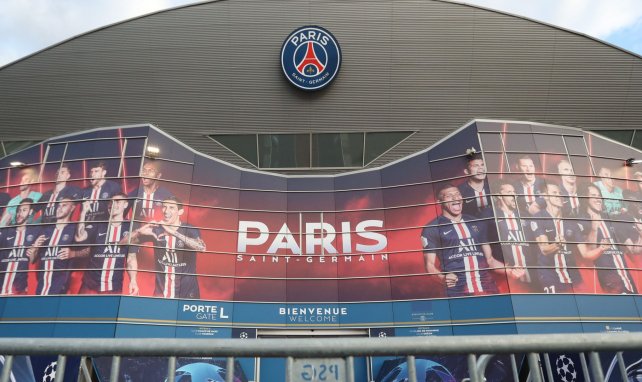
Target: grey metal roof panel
(425, 65)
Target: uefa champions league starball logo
(49, 374)
(310, 58)
(565, 368)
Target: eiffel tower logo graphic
(310, 65)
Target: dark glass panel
(242, 145)
(134, 146)
(94, 149)
(284, 150)
(491, 142)
(11, 147)
(519, 142)
(575, 145)
(549, 143)
(55, 152)
(379, 143)
(623, 136)
(637, 140)
(337, 150)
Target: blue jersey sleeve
(430, 238)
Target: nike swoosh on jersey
(447, 232)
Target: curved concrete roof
(423, 65)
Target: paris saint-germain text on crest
(310, 58)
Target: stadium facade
(443, 178)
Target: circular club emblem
(310, 58)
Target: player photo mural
(531, 225)
(512, 231)
(109, 252)
(475, 189)
(151, 194)
(556, 237)
(568, 188)
(62, 188)
(460, 245)
(612, 194)
(28, 181)
(52, 250)
(99, 191)
(15, 241)
(175, 246)
(529, 186)
(600, 237)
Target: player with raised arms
(460, 245)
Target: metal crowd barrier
(478, 349)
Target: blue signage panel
(192, 312)
(422, 311)
(140, 310)
(202, 332)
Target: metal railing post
(84, 370)
(513, 366)
(115, 369)
(61, 363)
(412, 368)
(289, 365)
(229, 369)
(547, 365)
(472, 368)
(482, 363)
(171, 369)
(596, 367)
(350, 369)
(622, 366)
(533, 365)
(585, 370)
(6, 368)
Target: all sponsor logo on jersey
(310, 58)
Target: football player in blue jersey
(475, 190)
(52, 251)
(559, 241)
(14, 242)
(109, 253)
(568, 188)
(602, 246)
(149, 197)
(460, 245)
(529, 187)
(175, 246)
(62, 188)
(510, 227)
(99, 192)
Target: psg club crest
(310, 58)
